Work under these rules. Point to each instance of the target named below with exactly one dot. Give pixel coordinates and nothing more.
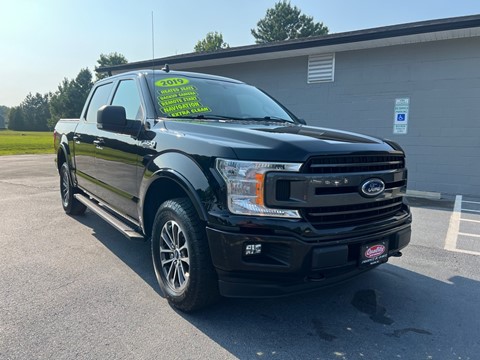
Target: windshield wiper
(227, 117)
(206, 117)
(269, 118)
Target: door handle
(77, 139)
(98, 143)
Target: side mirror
(111, 118)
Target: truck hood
(275, 141)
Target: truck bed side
(63, 140)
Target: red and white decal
(374, 251)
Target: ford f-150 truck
(237, 195)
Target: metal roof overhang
(425, 31)
(403, 40)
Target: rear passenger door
(117, 156)
(85, 136)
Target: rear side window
(99, 98)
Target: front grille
(340, 164)
(328, 191)
(349, 215)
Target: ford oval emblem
(372, 187)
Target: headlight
(245, 186)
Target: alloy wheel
(174, 256)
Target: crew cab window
(99, 98)
(127, 96)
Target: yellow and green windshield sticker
(177, 98)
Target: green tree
(36, 112)
(68, 100)
(4, 110)
(4, 116)
(16, 119)
(111, 59)
(284, 22)
(213, 41)
(60, 106)
(79, 91)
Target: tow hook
(397, 254)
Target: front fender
(186, 173)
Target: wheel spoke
(170, 276)
(167, 239)
(181, 274)
(167, 261)
(185, 259)
(183, 247)
(175, 275)
(175, 232)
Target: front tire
(181, 256)
(71, 205)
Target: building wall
(441, 78)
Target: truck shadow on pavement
(389, 312)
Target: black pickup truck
(238, 196)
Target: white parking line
(470, 220)
(454, 226)
(472, 211)
(465, 251)
(472, 235)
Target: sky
(44, 41)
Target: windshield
(190, 97)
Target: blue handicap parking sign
(400, 117)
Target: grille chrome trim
(353, 163)
(385, 205)
(352, 217)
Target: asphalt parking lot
(72, 287)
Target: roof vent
(321, 68)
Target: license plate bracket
(373, 253)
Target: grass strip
(25, 142)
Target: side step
(125, 229)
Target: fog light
(253, 249)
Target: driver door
(117, 156)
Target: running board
(125, 229)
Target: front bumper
(289, 265)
